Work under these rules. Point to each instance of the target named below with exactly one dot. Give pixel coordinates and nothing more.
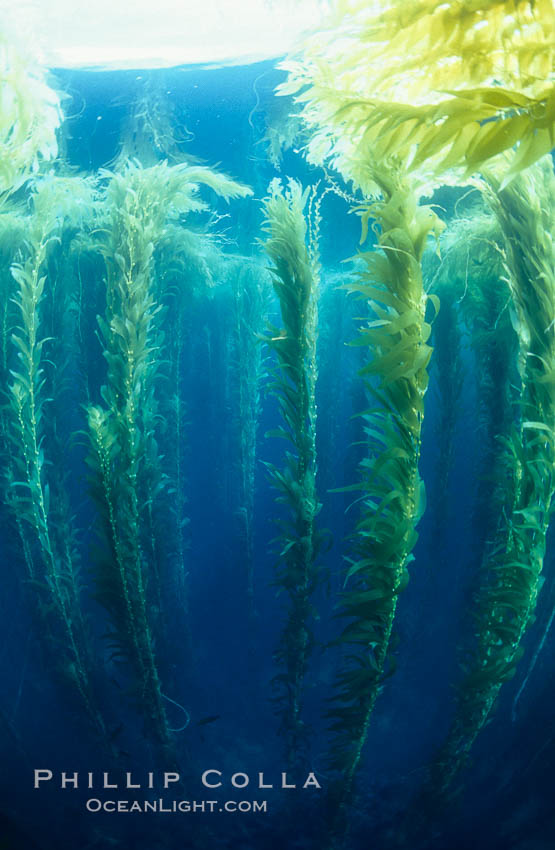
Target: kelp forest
(277, 427)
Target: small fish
(210, 719)
(113, 735)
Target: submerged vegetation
(479, 97)
(36, 496)
(29, 117)
(513, 563)
(123, 431)
(295, 280)
(393, 494)
(152, 372)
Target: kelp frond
(30, 113)
(392, 492)
(47, 538)
(294, 378)
(128, 477)
(510, 580)
(166, 192)
(430, 85)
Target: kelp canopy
(432, 85)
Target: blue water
(506, 796)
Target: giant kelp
(471, 286)
(353, 79)
(511, 571)
(392, 492)
(447, 344)
(295, 278)
(148, 132)
(123, 433)
(435, 85)
(35, 492)
(393, 120)
(182, 273)
(12, 231)
(250, 308)
(30, 113)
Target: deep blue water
(506, 798)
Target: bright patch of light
(109, 34)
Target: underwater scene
(277, 427)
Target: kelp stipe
(129, 481)
(472, 270)
(47, 536)
(295, 279)
(511, 573)
(250, 292)
(148, 132)
(184, 262)
(174, 286)
(448, 366)
(12, 235)
(336, 362)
